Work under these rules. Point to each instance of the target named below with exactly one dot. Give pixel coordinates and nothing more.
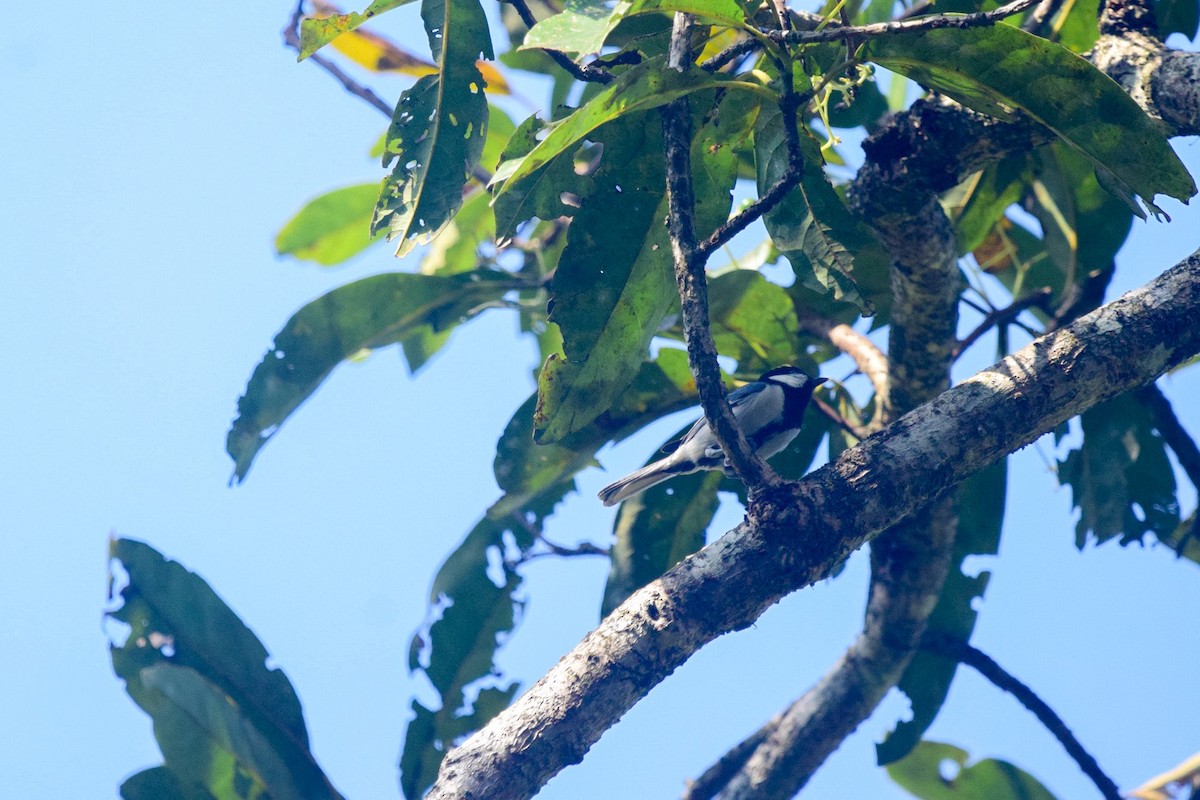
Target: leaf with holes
(365, 315)
(438, 131)
(921, 774)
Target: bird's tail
(641, 480)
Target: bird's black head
(791, 378)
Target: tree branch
(586, 72)
(869, 359)
(291, 38)
(1004, 316)
(1172, 430)
(795, 534)
(834, 31)
(985, 666)
(689, 275)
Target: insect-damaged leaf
(364, 315)
(811, 225)
(438, 131)
(316, 33)
(1002, 67)
(922, 774)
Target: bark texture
(794, 534)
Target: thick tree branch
(794, 535)
(985, 666)
(689, 275)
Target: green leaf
(753, 321)
(159, 783)
(438, 132)
(540, 193)
(927, 678)
(500, 129)
(980, 201)
(1076, 25)
(457, 250)
(990, 69)
(220, 714)
(657, 529)
(524, 469)
(645, 86)
(611, 293)
(921, 774)
(1177, 16)
(1121, 479)
(457, 650)
(363, 315)
(584, 25)
(331, 228)
(316, 33)
(811, 226)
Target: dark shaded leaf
(611, 293)
(1177, 16)
(927, 679)
(1002, 67)
(1121, 479)
(991, 779)
(475, 593)
(363, 315)
(330, 228)
(541, 193)
(1185, 539)
(812, 225)
(159, 783)
(439, 128)
(220, 715)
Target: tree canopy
(684, 213)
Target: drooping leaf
(1002, 67)
(584, 25)
(331, 228)
(475, 592)
(921, 774)
(438, 131)
(363, 315)
(611, 293)
(645, 86)
(1177, 16)
(220, 714)
(927, 678)
(316, 33)
(812, 225)
(1121, 479)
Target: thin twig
(733, 51)
(988, 668)
(552, 549)
(739, 222)
(690, 278)
(587, 72)
(858, 432)
(291, 38)
(834, 31)
(1005, 316)
(1045, 9)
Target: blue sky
(150, 155)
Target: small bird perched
(770, 411)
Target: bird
(770, 411)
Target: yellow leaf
(378, 54)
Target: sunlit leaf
(584, 25)
(1121, 479)
(331, 228)
(1076, 25)
(648, 85)
(543, 193)
(927, 678)
(991, 69)
(367, 314)
(922, 774)
(220, 714)
(981, 200)
(438, 131)
(316, 33)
